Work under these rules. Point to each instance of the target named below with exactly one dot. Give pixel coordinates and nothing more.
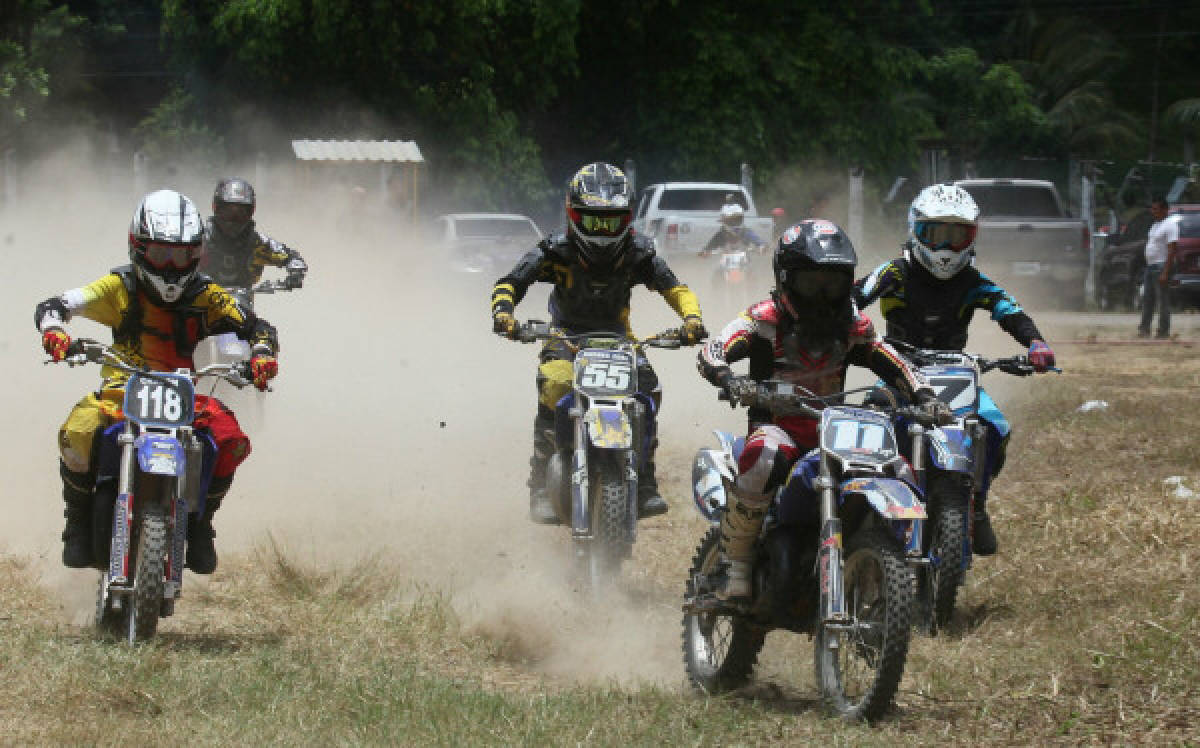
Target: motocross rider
(158, 307)
(808, 332)
(731, 231)
(593, 268)
(235, 250)
(928, 296)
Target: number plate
(164, 400)
(857, 437)
(601, 372)
(956, 387)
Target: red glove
(55, 341)
(263, 369)
(1041, 356)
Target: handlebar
(86, 350)
(1016, 365)
(783, 398)
(535, 330)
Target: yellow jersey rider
(593, 268)
(158, 308)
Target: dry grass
(1084, 630)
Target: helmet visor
(164, 255)
(233, 214)
(939, 235)
(600, 224)
(819, 284)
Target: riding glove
(55, 341)
(504, 324)
(1041, 356)
(263, 369)
(693, 331)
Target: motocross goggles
(600, 224)
(939, 235)
(819, 284)
(233, 214)
(164, 255)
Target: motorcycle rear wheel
(858, 671)
(719, 651)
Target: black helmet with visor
(599, 213)
(233, 205)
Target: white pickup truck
(682, 216)
(1028, 243)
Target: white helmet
(732, 215)
(166, 241)
(942, 222)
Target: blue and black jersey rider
(929, 294)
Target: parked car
(484, 243)
(1028, 242)
(1122, 263)
(682, 216)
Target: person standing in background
(1162, 243)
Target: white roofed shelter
(388, 153)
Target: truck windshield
(1189, 225)
(1014, 200)
(699, 199)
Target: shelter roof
(357, 150)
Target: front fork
(581, 515)
(122, 526)
(978, 431)
(829, 554)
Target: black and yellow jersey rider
(593, 267)
(236, 252)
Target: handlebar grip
(76, 347)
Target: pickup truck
(682, 216)
(1028, 243)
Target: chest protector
(932, 313)
(585, 299)
(188, 323)
(227, 258)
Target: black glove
(740, 390)
(296, 269)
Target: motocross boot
(985, 538)
(541, 510)
(650, 502)
(77, 536)
(201, 556)
(740, 525)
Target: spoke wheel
(719, 651)
(859, 665)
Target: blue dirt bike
(951, 461)
(153, 470)
(856, 603)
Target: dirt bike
(950, 460)
(856, 603)
(152, 472)
(601, 427)
(731, 278)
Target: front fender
(711, 473)
(608, 428)
(950, 449)
(891, 498)
(159, 455)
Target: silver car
(484, 243)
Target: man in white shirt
(1162, 243)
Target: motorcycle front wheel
(941, 580)
(719, 650)
(859, 663)
(610, 507)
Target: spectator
(1161, 245)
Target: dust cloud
(398, 426)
